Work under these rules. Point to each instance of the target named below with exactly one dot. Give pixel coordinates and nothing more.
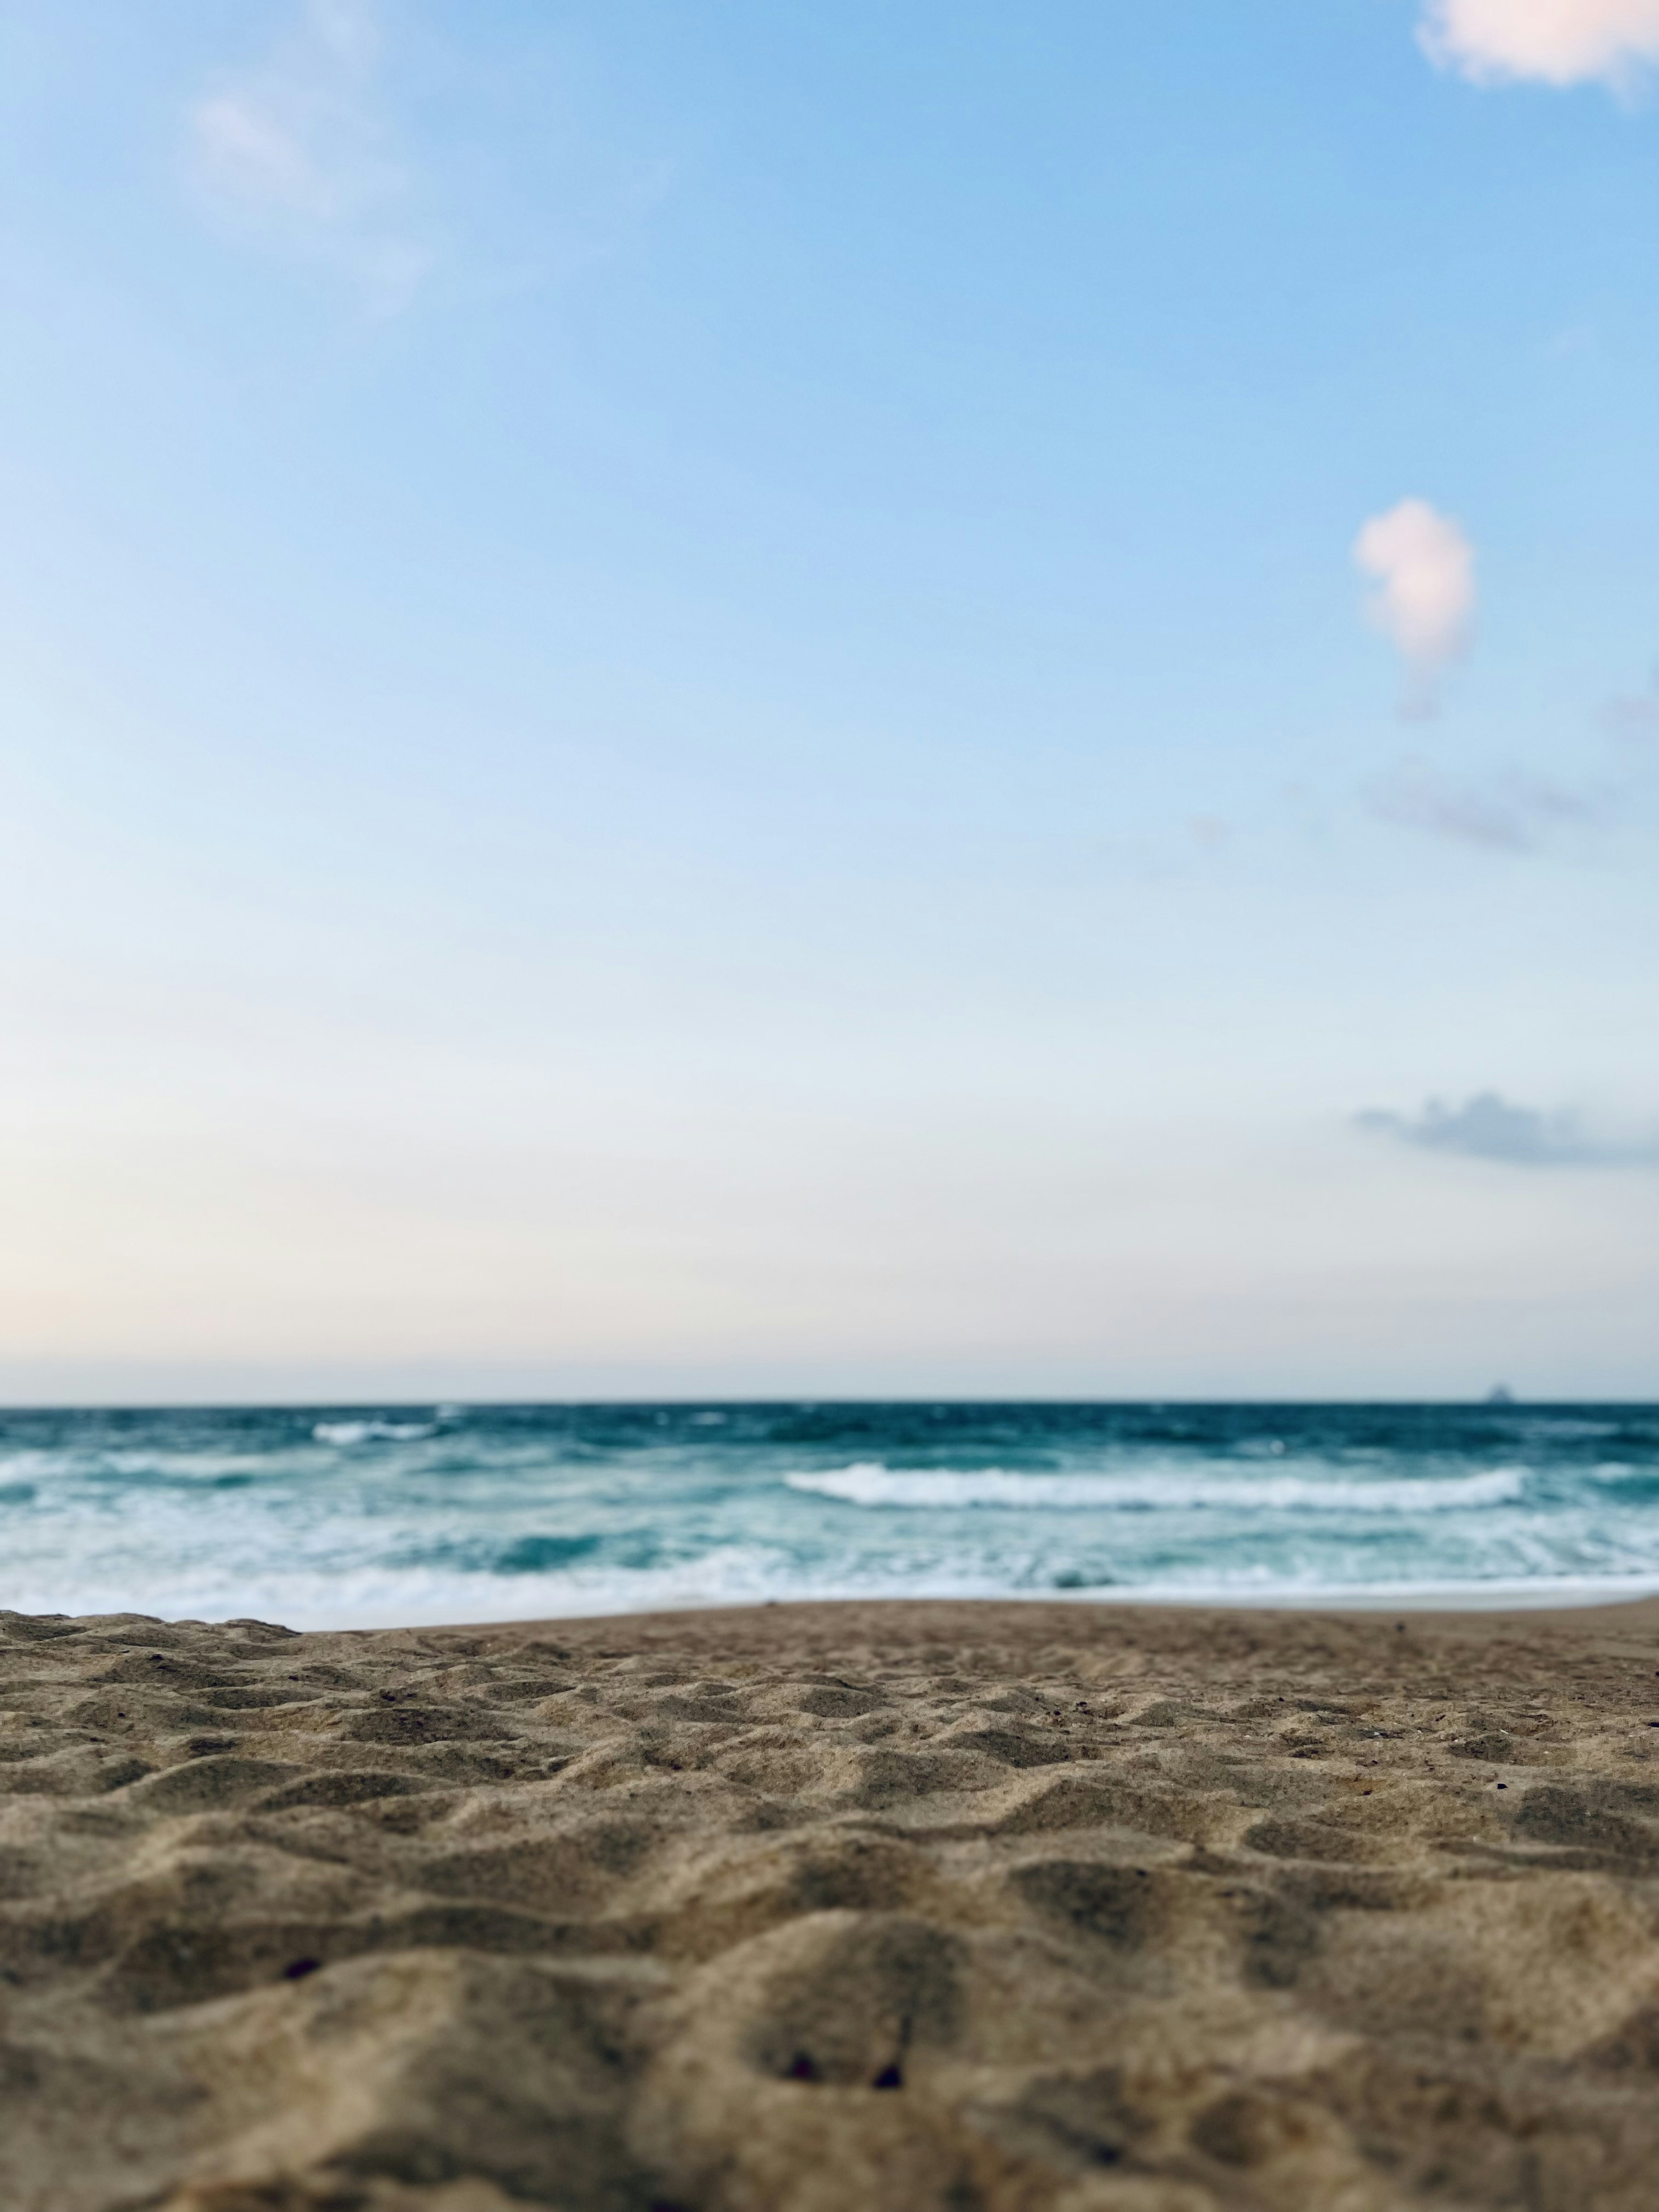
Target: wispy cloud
(1634, 718)
(1508, 812)
(1510, 809)
(1558, 42)
(1422, 568)
(299, 152)
(1487, 1126)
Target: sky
(897, 700)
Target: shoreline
(1638, 1613)
(1455, 1604)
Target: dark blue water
(347, 1515)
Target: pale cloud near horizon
(299, 151)
(1559, 42)
(1423, 569)
(1488, 1126)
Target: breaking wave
(371, 1432)
(949, 1489)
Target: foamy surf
(376, 1516)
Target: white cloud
(1553, 41)
(298, 153)
(1424, 568)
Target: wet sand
(834, 1908)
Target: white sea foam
(366, 1597)
(869, 1483)
(1556, 1426)
(371, 1433)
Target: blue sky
(755, 700)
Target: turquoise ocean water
(322, 1516)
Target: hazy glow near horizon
(829, 702)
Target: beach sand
(833, 1908)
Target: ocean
(325, 1516)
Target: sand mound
(830, 1909)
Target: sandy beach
(940, 1907)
